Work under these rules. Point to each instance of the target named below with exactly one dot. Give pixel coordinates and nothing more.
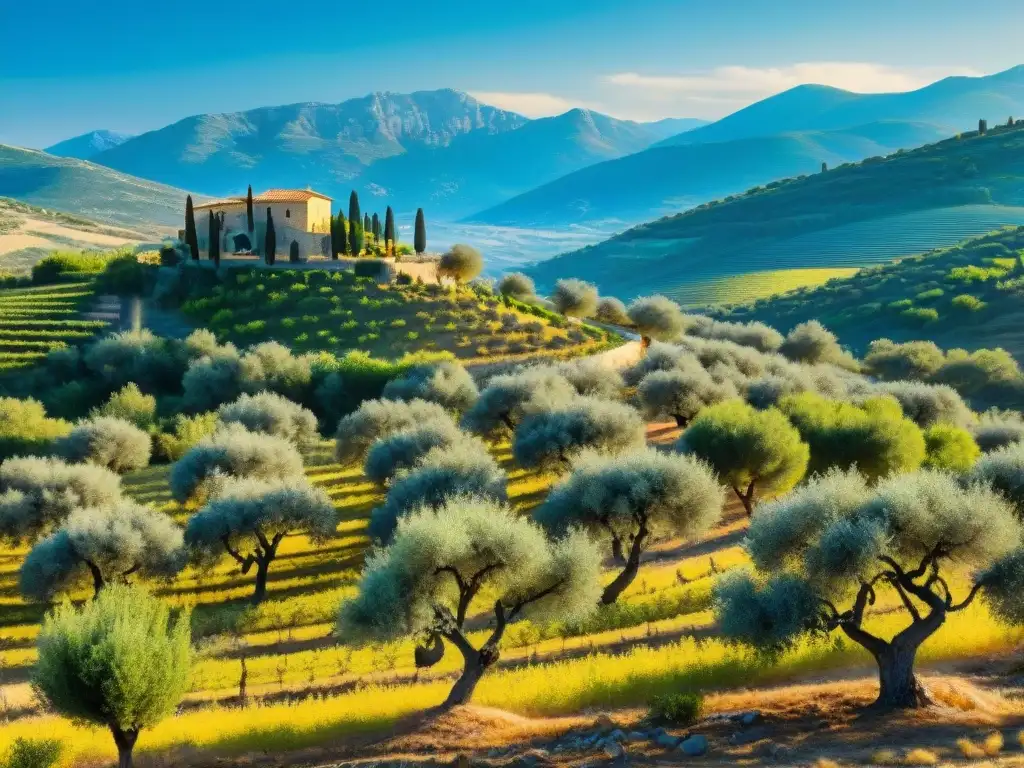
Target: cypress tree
(248, 210)
(824, 167)
(420, 237)
(191, 238)
(389, 230)
(376, 228)
(367, 226)
(983, 127)
(270, 241)
(355, 225)
(293, 252)
(211, 239)
(342, 234)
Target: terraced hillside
(968, 295)
(35, 320)
(850, 216)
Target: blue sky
(68, 67)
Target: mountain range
(439, 149)
(88, 145)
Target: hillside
(394, 147)
(666, 179)
(672, 126)
(953, 104)
(83, 188)
(970, 295)
(850, 216)
(88, 144)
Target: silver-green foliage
(661, 357)
(1003, 470)
(929, 404)
(592, 378)
(812, 342)
(377, 419)
(130, 404)
(461, 263)
(120, 661)
(232, 451)
(517, 285)
(681, 394)
(460, 469)
(272, 414)
(135, 356)
(996, 429)
(632, 500)
(108, 442)
(100, 545)
(824, 553)
(611, 310)
(224, 373)
(508, 397)
(761, 337)
(38, 494)
(575, 298)
(443, 563)
(446, 383)
(403, 450)
(549, 439)
(656, 317)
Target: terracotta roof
(270, 196)
(287, 196)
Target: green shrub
(920, 315)
(25, 428)
(57, 265)
(186, 432)
(125, 275)
(676, 708)
(368, 268)
(130, 404)
(967, 302)
(934, 293)
(33, 753)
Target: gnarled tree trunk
(262, 571)
(125, 741)
(474, 666)
(625, 578)
(898, 686)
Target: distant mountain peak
(89, 144)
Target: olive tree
(656, 318)
(461, 263)
(459, 469)
(517, 286)
(612, 311)
(549, 439)
(250, 517)
(446, 564)
(106, 545)
(661, 357)
(130, 404)
(681, 394)
(812, 342)
(38, 494)
(271, 414)
(929, 404)
(909, 360)
(232, 452)
(575, 298)
(591, 377)
(996, 429)
(403, 450)
(507, 398)
(761, 337)
(633, 500)
(874, 436)
(824, 554)
(135, 356)
(1003, 471)
(107, 442)
(446, 383)
(376, 419)
(756, 453)
(120, 661)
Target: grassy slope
(955, 188)
(84, 189)
(312, 310)
(887, 301)
(35, 320)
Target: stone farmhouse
(300, 215)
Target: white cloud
(529, 104)
(737, 83)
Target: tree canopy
(549, 439)
(633, 500)
(681, 394)
(446, 383)
(461, 263)
(107, 442)
(756, 453)
(271, 414)
(507, 398)
(38, 494)
(656, 317)
(403, 450)
(824, 553)
(250, 517)
(575, 298)
(232, 452)
(445, 562)
(376, 419)
(103, 545)
(120, 661)
(518, 286)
